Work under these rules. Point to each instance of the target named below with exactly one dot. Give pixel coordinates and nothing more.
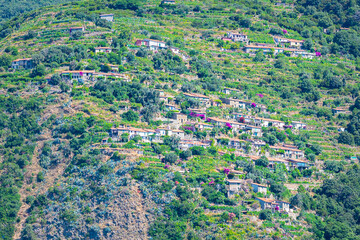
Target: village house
(286, 152)
(254, 130)
(166, 98)
(272, 162)
(273, 205)
(256, 143)
(235, 102)
(171, 107)
(145, 134)
(179, 117)
(114, 68)
(185, 145)
(292, 42)
(151, 44)
(108, 17)
(267, 122)
(265, 49)
(276, 161)
(204, 100)
(170, 132)
(298, 163)
(262, 107)
(238, 37)
(234, 186)
(236, 173)
(163, 132)
(178, 133)
(111, 75)
(24, 63)
(228, 91)
(259, 188)
(80, 75)
(236, 143)
(103, 50)
(174, 50)
(168, 2)
(73, 30)
(298, 125)
(276, 50)
(223, 123)
(204, 126)
(343, 110)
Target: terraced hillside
(155, 119)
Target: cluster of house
(236, 37)
(90, 75)
(235, 186)
(293, 49)
(155, 45)
(276, 50)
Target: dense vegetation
(61, 167)
(13, 8)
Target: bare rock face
(91, 205)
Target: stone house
(204, 100)
(259, 188)
(180, 118)
(24, 63)
(234, 186)
(238, 37)
(108, 17)
(273, 205)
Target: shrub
(171, 158)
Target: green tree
(38, 71)
(259, 57)
(130, 116)
(346, 138)
(171, 158)
(262, 161)
(5, 60)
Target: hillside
(156, 119)
(11, 8)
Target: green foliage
(171, 158)
(262, 161)
(130, 116)
(265, 215)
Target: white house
(204, 100)
(108, 17)
(273, 205)
(292, 153)
(238, 37)
(168, 2)
(175, 50)
(185, 145)
(259, 188)
(81, 75)
(267, 122)
(145, 134)
(151, 44)
(298, 125)
(171, 107)
(292, 42)
(73, 30)
(103, 50)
